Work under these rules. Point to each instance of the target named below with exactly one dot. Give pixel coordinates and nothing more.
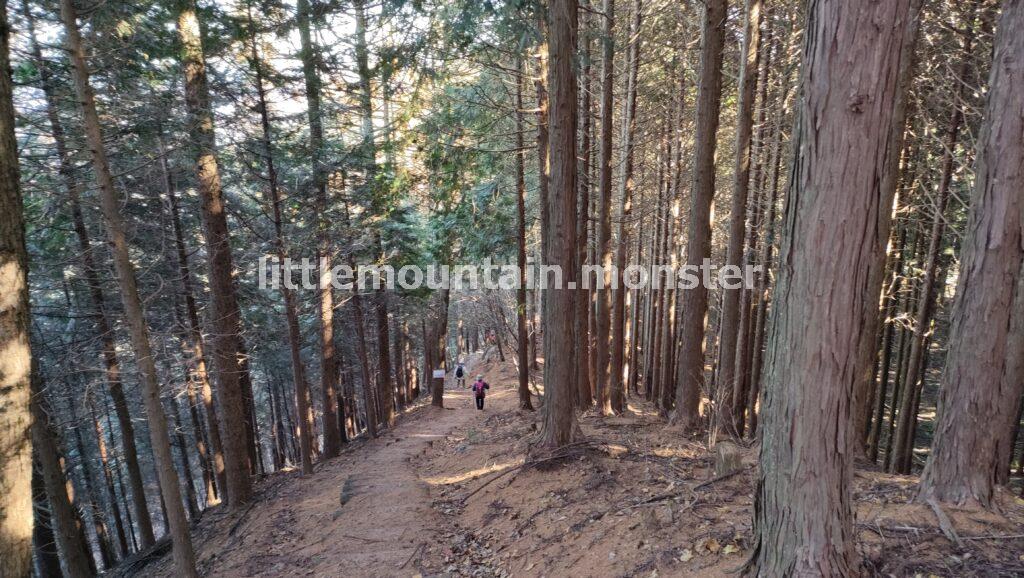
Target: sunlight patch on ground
(641, 410)
(675, 453)
(471, 474)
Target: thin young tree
(727, 380)
(803, 520)
(616, 380)
(584, 393)
(522, 354)
(15, 419)
(135, 317)
(604, 207)
(310, 56)
(195, 350)
(368, 157)
(984, 375)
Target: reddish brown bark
(729, 385)
(803, 517)
(695, 301)
(224, 312)
(522, 353)
(984, 373)
(616, 379)
(604, 255)
(138, 331)
(875, 266)
(559, 427)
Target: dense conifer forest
(742, 285)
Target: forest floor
(458, 492)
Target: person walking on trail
(460, 375)
(479, 390)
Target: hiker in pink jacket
(479, 391)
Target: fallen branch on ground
(700, 486)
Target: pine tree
(224, 305)
(135, 318)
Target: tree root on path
(559, 453)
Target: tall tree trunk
(757, 211)
(104, 329)
(559, 359)
(767, 248)
(695, 301)
(803, 521)
(616, 383)
(328, 364)
(604, 215)
(875, 265)
(302, 397)
(984, 373)
(135, 319)
(368, 154)
(196, 347)
(666, 379)
(651, 365)
(728, 383)
(584, 397)
(361, 350)
(224, 312)
(522, 352)
(15, 418)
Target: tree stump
(728, 458)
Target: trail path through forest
(444, 494)
(301, 528)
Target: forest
(852, 407)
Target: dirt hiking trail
(452, 493)
(299, 526)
